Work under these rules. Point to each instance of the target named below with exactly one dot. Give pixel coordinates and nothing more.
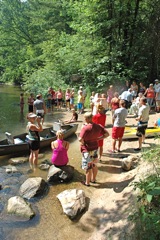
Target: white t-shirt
(120, 115)
(144, 113)
(156, 87)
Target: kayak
(130, 132)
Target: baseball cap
(31, 115)
(156, 80)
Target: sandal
(84, 183)
(93, 181)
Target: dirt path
(112, 199)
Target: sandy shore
(112, 199)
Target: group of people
(93, 130)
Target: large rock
(60, 174)
(44, 166)
(18, 160)
(32, 187)
(73, 201)
(11, 169)
(126, 164)
(18, 206)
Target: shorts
(141, 130)
(68, 100)
(71, 100)
(89, 159)
(53, 101)
(49, 101)
(40, 113)
(100, 143)
(59, 99)
(79, 105)
(34, 145)
(30, 108)
(117, 132)
(150, 102)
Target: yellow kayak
(130, 132)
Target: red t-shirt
(99, 118)
(90, 133)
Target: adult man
(156, 85)
(143, 117)
(128, 97)
(39, 107)
(119, 122)
(89, 136)
(157, 92)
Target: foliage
(43, 79)
(106, 42)
(147, 217)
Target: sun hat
(156, 80)
(32, 115)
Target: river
(49, 223)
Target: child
(74, 117)
(80, 102)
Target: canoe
(130, 133)
(20, 144)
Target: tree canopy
(104, 42)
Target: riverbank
(109, 201)
(112, 199)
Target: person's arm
(81, 140)
(146, 92)
(66, 145)
(105, 134)
(53, 145)
(38, 128)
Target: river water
(49, 223)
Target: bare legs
(91, 174)
(100, 152)
(33, 159)
(114, 144)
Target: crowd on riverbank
(91, 136)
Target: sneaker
(137, 149)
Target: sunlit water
(49, 223)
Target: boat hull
(46, 137)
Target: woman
(91, 100)
(150, 95)
(33, 138)
(142, 88)
(115, 102)
(134, 88)
(59, 98)
(31, 100)
(109, 96)
(60, 148)
(96, 101)
(67, 98)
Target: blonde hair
(88, 115)
(59, 134)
